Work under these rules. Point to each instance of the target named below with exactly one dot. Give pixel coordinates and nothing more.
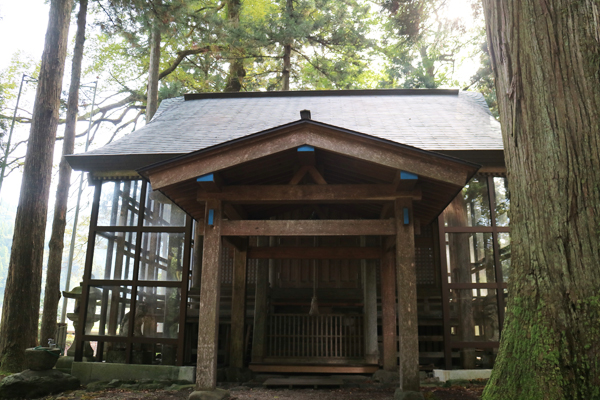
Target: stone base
(95, 371)
(408, 395)
(446, 375)
(64, 364)
(33, 384)
(217, 394)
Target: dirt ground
(430, 393)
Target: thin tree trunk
(236, 65)
(22, 295)
(545, 56)
(56, 245)
(287, 51)
(153, 71)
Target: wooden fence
(321, 336)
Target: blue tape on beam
(306, 148)
(206, 178)
(211, 217)
(406, 217)
(408, 175)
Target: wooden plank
(426, 165)
(258, 194)
(238, 308)
(322, 369)
(303, 381)
(315, 253)
(208, 322)
(346, 227)
(406, 279)
(388, 311)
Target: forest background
(228, 45)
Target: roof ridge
(334, 93)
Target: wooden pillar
(406, 278)
(260, 308)
(238, 307)
(197, 263)
(388, 311)
(208, 321)
(369, 278)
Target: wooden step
(316, 369)
(314, 382)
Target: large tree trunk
(56, 245)
(152, 100)
(236, 65)
(22, 295)
(545, 56)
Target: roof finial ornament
(305, 114)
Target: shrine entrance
(323, 221)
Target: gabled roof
(345, 157)
(429, 119)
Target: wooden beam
(249, 194)
(238, 308)
(388, 311)
(234, 211)
(406, 279)
(315, 253)
(427, 165)
(208, 321)
(369, 279)
(316, 175)
(299, 175)
(345, 227)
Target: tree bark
(545, 56)
(236, 65)
(56, 245)
(22, 295)
(287, 51)
(153, 71)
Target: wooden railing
(322, 336)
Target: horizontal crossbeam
(303, 193)
(345, 227)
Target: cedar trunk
(545, 56)
(22, 295)
(287, 51)
(236, 65)
(56, 245)
(152, 100)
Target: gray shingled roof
(434, 120)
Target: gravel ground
(431, 393)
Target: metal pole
(12, 126)
(75, 218)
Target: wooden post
(369, 277)
(238, 307)
(388, 311)
(407, 296)
(197, 265)
(260, 308)
(208, 321)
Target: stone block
(33, 384)
(92, 371)
(217, 394)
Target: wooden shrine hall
(259, 230)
